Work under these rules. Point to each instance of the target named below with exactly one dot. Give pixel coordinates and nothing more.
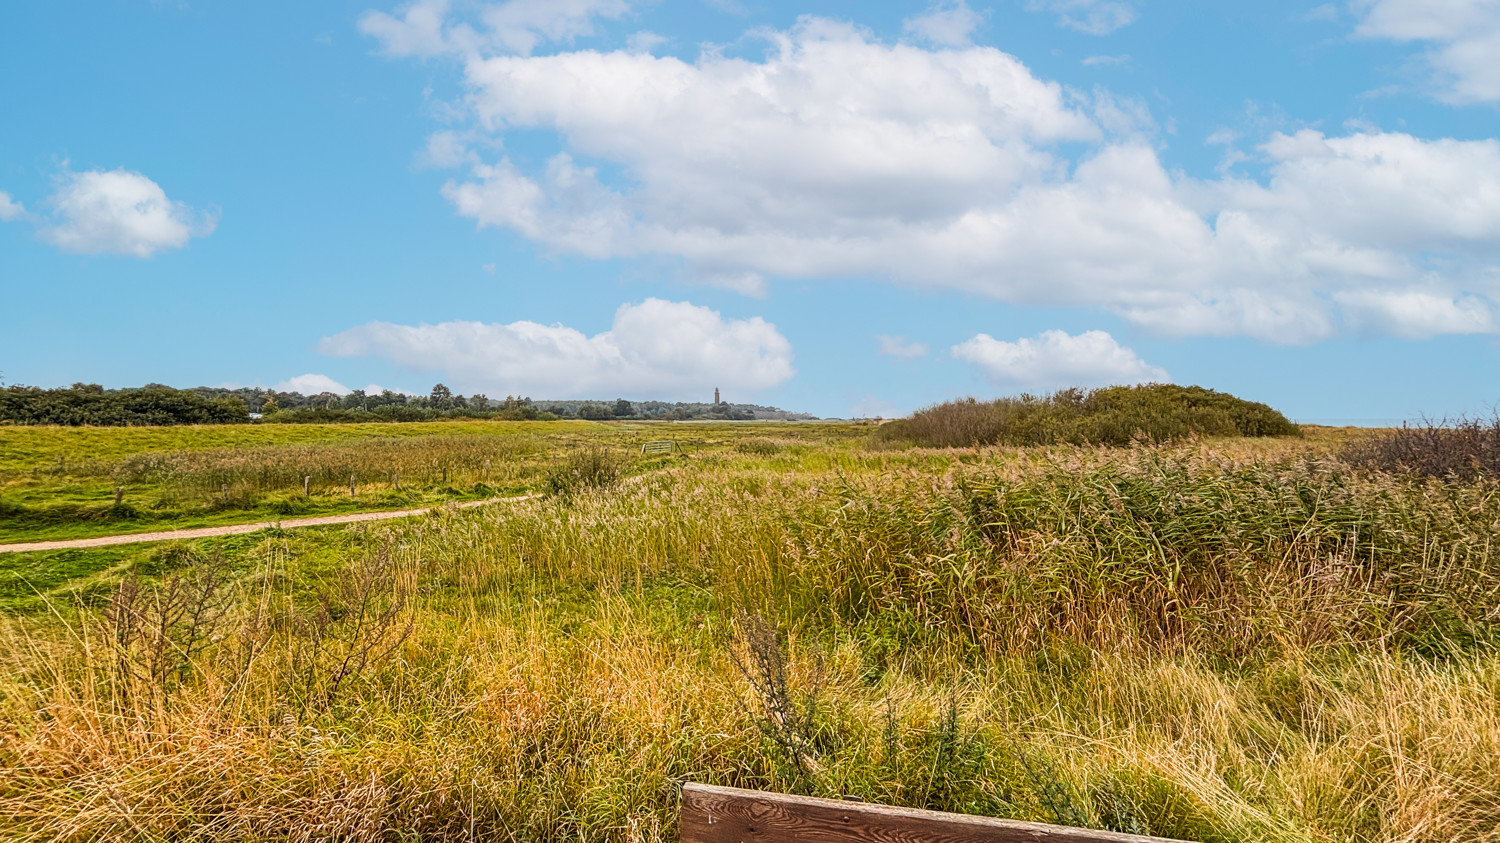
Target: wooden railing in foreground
(729, 815)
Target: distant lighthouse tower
(716, 395)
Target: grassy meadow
(60, 482)
(1221, 639)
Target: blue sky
(848, 209)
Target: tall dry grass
(420, 461)
(1214, 643)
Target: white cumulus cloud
(1464, 39)
(899, 348)
(9, 208)
(1418, 315)
(655, 349)
(947, 23)
(119, 212)
(840, 156)
(1055, 359)
(1095, 17)
(312, 384)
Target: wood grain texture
(730, 815)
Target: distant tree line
(156, 404)
(92, 404)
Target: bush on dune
(1115, 416)
(1463, 449)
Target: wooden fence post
(307, 486)
(224, 492)
(730, 815)
(351, 485)
(119, 495)
(445, 475)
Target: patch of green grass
(60, 581)
(28, 580)
(73, 521)
(59, 483)
(45, 448)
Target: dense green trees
(91, 404)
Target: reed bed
(1217, 641)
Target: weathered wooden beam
(713, 814)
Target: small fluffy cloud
(519, 25)
(659, 349)
(1464, 36)
(899, 348)
(446, 149)
(1095, 17)
(311, 384)
(119, 212)
(427, 28)
(947, 24)
(644, 41)
(418, 31)
(1056, 359)
(9, 208)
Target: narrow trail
(240, 529)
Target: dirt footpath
(238, 529)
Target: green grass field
(1220, 640)
(59, 483)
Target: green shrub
(1116, 416)
(1463, 449)
(586, 468)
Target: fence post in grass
(445, 475)
(486, 471)
(119, 495)
(307, 486)
(224, 491)
(351, 485)
(730, 815)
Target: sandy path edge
(239, 529)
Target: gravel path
(238, 529)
